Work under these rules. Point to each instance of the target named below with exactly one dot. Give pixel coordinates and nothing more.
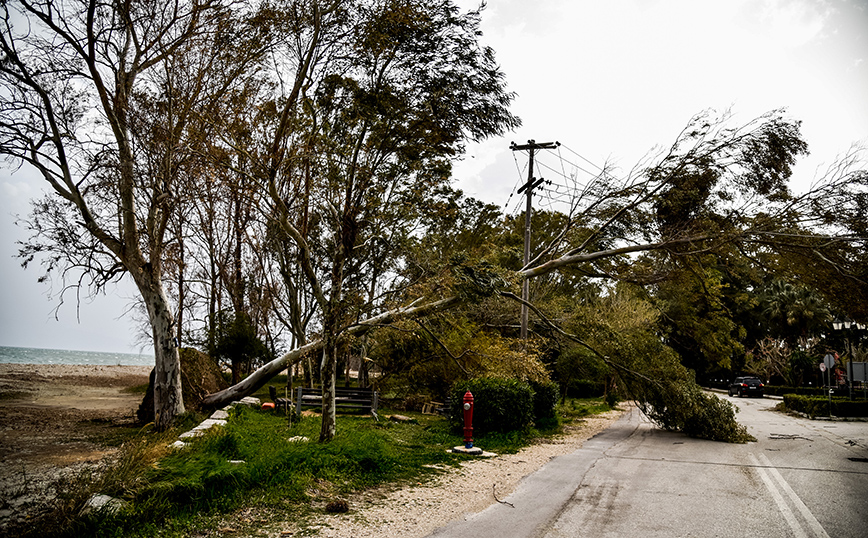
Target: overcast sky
(610, 80)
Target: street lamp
(847, 324)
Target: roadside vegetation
(261, 464)
(814, 406)
(279, 175)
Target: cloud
(17, 186)
(16, 189)
(792, 23)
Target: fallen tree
(261, 376)
(716, 188)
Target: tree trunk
(363, 364)
(181, 282)
(348, 363)
(329, 410)
(331, 328)
(260, 377)
(168, 400)
(308, 372)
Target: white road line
(779, 500)
(819, 532)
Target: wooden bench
(278, 402)
(437, 408)
(363, 399)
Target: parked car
(746, 386)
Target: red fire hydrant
(468, 420)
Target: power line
(577, 154)
(563, 174)
(518, 178)
(566, 189)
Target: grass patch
(105, 432)
(576, 408)
(257, 471)
(136, 389)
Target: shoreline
(55, 371)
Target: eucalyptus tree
(98, 97)
(379, 97)
(403, 91)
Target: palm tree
(793, 311)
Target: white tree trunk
(328, 428)
(168, 399)
(261, 376)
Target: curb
(217, 418)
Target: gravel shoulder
(417, 510)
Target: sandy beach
(105, 372)
(52, 420)
(43, 407)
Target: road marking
(779, 500)
(769, 475)
(806, 513)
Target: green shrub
(545, 401)
(710, 417)
(684, 407)
(585, 388)
(779, 390)
(814, 406)
(499, 405)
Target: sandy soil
(52, 420)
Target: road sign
(859, 371)
(822, 367)
(829, 361)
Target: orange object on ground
(268, 405)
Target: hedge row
(814, 406)
(780, 390)
(504, 405)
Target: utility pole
(531, 184)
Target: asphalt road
(801, 478)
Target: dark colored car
(746, 386)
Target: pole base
(460, 449)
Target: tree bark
(168, 399)
(363, 365)
(331, 331)
(260, 377)
(329, 410)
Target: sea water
(29, 355)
